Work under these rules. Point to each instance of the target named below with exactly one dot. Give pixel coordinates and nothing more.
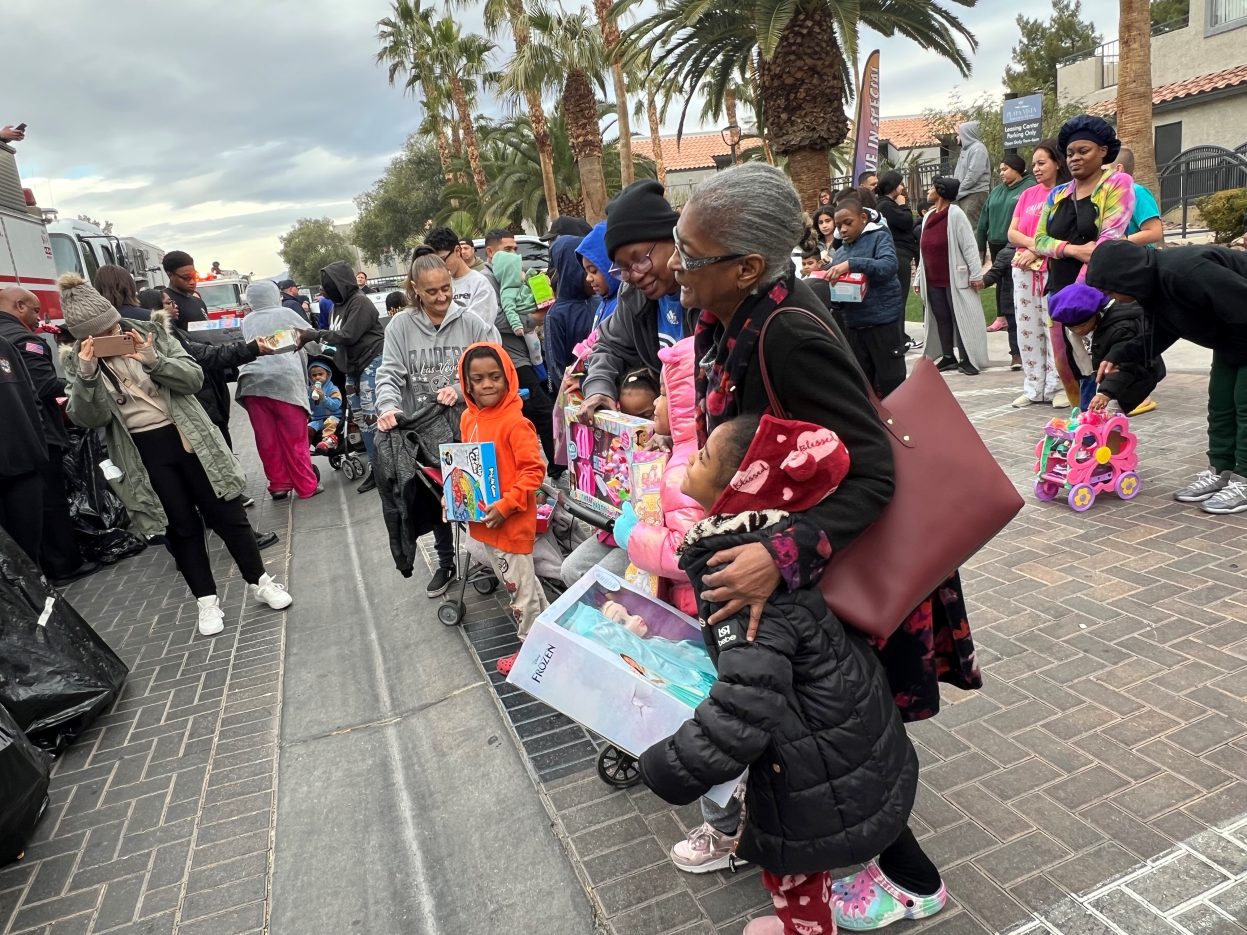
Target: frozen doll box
(584, 657)
(600, 457)
(469, 480)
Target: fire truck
(26, 255)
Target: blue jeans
(1086, 390)
(364, 402)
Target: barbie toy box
(848, 288)
(469, 480)
(600, 458)
(623, 664)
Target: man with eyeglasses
(640, 232)
(180, 269)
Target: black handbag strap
(885, 415)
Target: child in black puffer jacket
(806, 706)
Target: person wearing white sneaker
(177, 472)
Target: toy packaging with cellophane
(469, 480)
(600, 457)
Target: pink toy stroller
(1083, 456)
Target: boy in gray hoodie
(418, 379)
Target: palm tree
(610, 39)
(796, 47)
(568, 53)
(513, 14)
(515, 192)
(1134, 88)
(459, 61)
(652, 106)
(403, 50)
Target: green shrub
(1225, 213)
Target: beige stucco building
(1199, 77)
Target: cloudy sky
(213, 125)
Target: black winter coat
(24, 449)
(1196, 293)
(807, 706)
(37, 354)
(408, 505)
(1133, 381)
(357, 331)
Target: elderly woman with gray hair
(273, 390)
(733, 243)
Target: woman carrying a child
(734, 239)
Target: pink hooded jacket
(652, 548)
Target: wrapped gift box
(469, 480)
(848, 288)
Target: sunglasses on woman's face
(635, 270)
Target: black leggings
(189, 501)
(941, 301)
(906, 864)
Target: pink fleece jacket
(652, 548)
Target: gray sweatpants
(590, 553)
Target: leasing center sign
(1023, 119)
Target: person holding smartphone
(134, 380)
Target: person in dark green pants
(1199, 294)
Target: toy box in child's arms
(848, 288)
(623, 664)
(469, 480)
(645, 485)
(600, 457)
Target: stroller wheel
(618, 769)
(335, 462)
(354, 467)
(450, 613)
(485, 585)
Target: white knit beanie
(87, 313)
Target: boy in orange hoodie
(491, 389)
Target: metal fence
(1200, 171)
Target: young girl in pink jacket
(652, 548)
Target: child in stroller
(331, 429)
(325, 400)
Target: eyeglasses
(637, 269)
(693, 263)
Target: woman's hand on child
(748, 578)
(447, 396)
(387, 420)
(494, 518)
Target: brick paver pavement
(1095, 785)
(161, 814)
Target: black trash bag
(23, 788)
(56, 674)
(100, 518)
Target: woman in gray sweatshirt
(418, 378)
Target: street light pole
(731, 136)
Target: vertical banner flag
(866, 155)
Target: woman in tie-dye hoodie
(1094, 206)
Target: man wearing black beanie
(640, 241)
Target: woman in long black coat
(735, 237)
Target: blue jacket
(570, 318)
(593, 249)
(326, 311)
(874, 254)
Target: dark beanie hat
(1014, 162)
(1096, 129)
(639, 214)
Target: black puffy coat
(808, 708)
